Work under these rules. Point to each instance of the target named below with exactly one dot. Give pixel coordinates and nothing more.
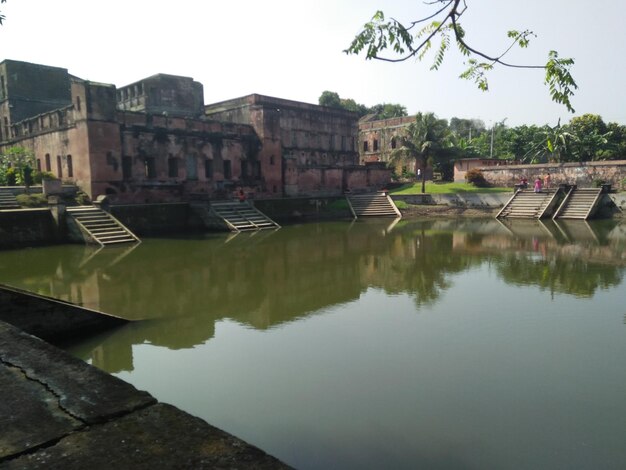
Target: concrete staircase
(528, 204)
(7, 199)
(579, 203)
(100, 226)
(372, 205)
(241, 216)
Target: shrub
(32, 200)
(598, 183)
(11, 176)
(476, 177)
(39, 176)
(82, 199)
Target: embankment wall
(27, 227)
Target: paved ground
(57, 412)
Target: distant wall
(299, 209)
(27, 228)
(582, 174)
(153, 219)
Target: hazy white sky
(293, 49)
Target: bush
(475, 177)
(39, 176)
(32, 200)
(598, 183)
(11, 176)
(82, 199)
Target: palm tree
(424, 140)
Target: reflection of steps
(240, 216)
(7, 199)
(101, 226)
(579, 203)
(528, 204)
(372, 205)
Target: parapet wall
(585, 174)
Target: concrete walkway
(57, 412)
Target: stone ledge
(57, 411)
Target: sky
(293, 49)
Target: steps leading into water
(528, 204)
(101, 226)
(579, 203)
(7, 199)
(372, 205)
(241, 216)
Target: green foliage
(380, 111)
(32, 200)
(16, 162)
(10, 176)
(330, 99)
(39, 176)
(425, 140)
(446, 188)
(380, 37)
(401, 204)
(82, 199)
(476, 177)
(559, 79)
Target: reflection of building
(154, 140)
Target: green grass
(445, 188)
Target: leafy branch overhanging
(416, 40)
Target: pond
(419, 344)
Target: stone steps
(372, 205)
(528, 204)
(579, 203)
(101, 226)
(241, 216)
(7, 199)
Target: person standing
(538, 184)
(547, 180)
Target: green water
(425, 344)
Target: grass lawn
(445, 188)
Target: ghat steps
(528, 204)
(241, 216)
(579, 203)
(372, 205)
(7, 199)
(101, 226)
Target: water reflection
(266, 279)
(426, 344)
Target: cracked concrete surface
(58, 412)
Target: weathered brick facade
(155, 141)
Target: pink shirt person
(538, 185)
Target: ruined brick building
(156, 141)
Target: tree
(19, 162)
(388, 110)
(380, 111)
(380, 36)
(558, 141)
(330, 99)
(423, 140)
(467, 128)
(1, 15)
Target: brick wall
(582, 174)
